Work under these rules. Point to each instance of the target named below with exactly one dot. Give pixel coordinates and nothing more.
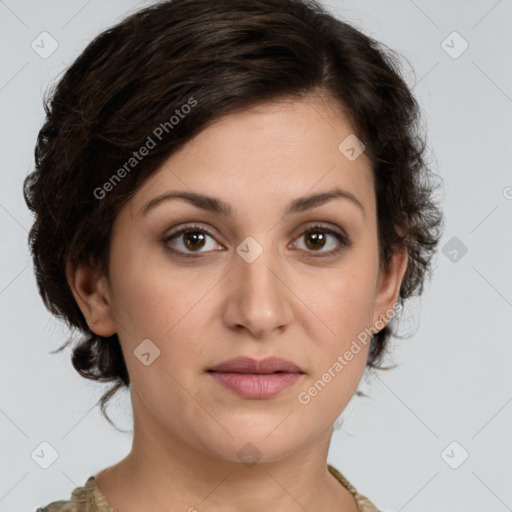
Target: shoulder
(363, 503)
(58, 506)
(83, 499)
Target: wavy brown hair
(228, 55)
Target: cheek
(156, 300)
(328, 392)
(149, 295)
(341, 347)
(343, 308)
(342, 304)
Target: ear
(388, 289)
(91, 291)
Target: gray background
(453, 381)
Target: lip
(256, 379)
(249, 365)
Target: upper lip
(249, 365)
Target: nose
(258, 297)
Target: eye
(316, 238)
(192, 238)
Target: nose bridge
(260, 297)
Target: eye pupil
(196, 236)
(316, 236)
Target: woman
(230, 206)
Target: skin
(289, 302)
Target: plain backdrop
(435, 433)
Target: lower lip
(256, 385)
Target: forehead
(270, 152)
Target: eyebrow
(215, 205)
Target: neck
(165, 472)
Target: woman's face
(251, 282)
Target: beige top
(90, 499)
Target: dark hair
(218, 58)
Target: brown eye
(189, 240)
(317, 238)
(193, 239)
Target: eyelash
(344, 242)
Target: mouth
(255, 379)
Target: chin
(257, 443)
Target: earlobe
(90, 290)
